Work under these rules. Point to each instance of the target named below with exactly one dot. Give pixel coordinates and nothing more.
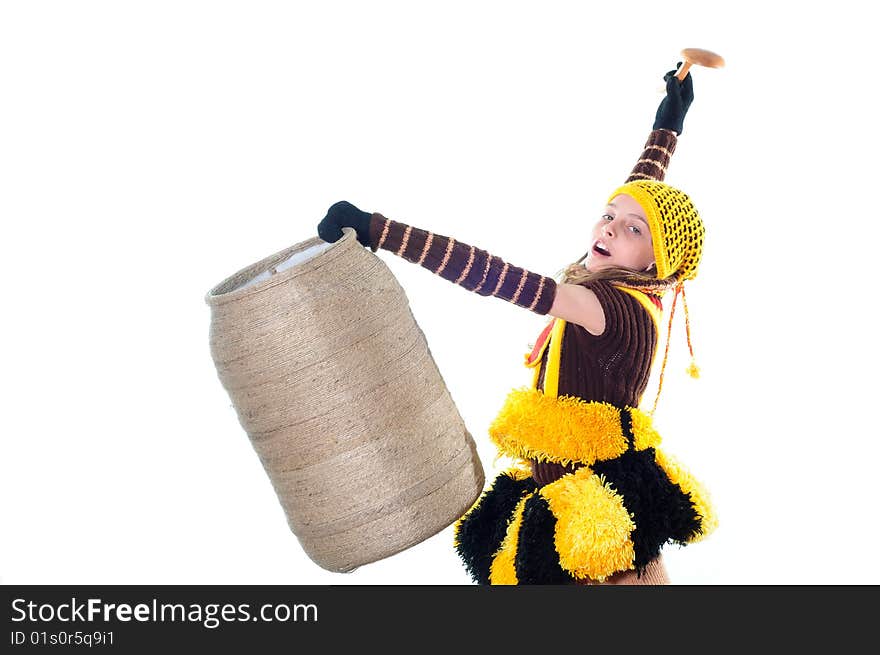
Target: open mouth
(600, 249)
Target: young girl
(592, 498)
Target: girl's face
(621, 238)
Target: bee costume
(594, 494)
(601, 496)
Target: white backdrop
(150, 149)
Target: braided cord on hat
(693, 370)
(666, 351)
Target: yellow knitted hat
(676, 228)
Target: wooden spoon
(701, 58)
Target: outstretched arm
(668, 124)
(467, 266)
(472, 268)
(486, 274)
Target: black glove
(344, 214)
(672, 109)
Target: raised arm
(654, 159)
(668, 124)
(488, 275)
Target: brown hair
(577, 273)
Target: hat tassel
(693, 370)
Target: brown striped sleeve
(474, 269)
(654, 159)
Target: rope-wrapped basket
(334, 384)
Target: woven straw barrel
(333, 382)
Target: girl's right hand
(344, 214)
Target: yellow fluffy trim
(645, 436)
(593, 528)
(690, 485)
(503, 570)
(532, 425)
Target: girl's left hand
(674, 107)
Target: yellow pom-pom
(693, 370)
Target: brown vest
(613, 367)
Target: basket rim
(217, 295)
